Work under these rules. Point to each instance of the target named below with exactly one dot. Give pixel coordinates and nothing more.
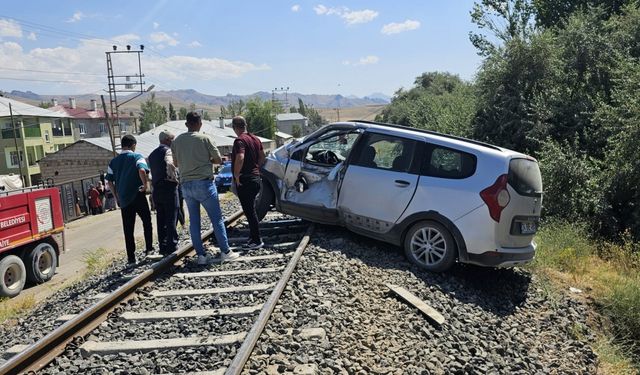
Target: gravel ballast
(498, 321)
(337, 316)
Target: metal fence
(73, 196)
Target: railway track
(176, 309)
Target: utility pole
(283, 103)
(15, 141)
(128, 83)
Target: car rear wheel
(12, 276)
(41, 263)
(429, 245)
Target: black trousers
(165, 198)
(247, 192)
(139, 206)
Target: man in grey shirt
(193, 155)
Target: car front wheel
(429, 245)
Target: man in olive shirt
(193, 155)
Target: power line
(48, 80)
(52, 72)
(35, 26)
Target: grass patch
(96, 261)
(609, 273)
(12, 308)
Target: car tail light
(496, 197)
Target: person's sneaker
(229, 256)
(204, 260)
(252, 245)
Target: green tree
(296, 131)
(192, 107)
(182, 113)
(151, 113)
(439, 101)
(172, 113)
(260, 119)
(235, 108)
(551, 13)
(504, 20)
(313, 116)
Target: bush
(563, 246)
(571, 183)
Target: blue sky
(238, 47)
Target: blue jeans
(203, 192)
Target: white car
(443, 198)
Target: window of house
(82, 128)
(47, 136)
(57, 127)
(102, 128)
(14, 159)
(67, 127)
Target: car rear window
(446, 162)
(525, 178)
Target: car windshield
(226, 170)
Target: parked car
(224, 178)
(443, 198)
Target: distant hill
(183, 98)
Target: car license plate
(528, 227)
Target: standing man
(247, 156)
(165, 193)
(193, 155)
(127, 176)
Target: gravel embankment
(497, 321)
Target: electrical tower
(127, 83)
(275, 101)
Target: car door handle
(402, 183)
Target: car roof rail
(479, 143)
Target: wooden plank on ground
(409, 297)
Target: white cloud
(162, 37)
(320, 9)
(32, 36)
(156, 25)
(295, 8)
(10, 28)
(360, 16)
(194, 44)
(88, 57)
(77, 16)
(367, 60)
(395, 28)
(350, 17)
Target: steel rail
(249, 343)
(37, 355)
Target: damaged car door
(380, 182)
(313, 175)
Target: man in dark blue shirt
(165, 193)
(127, 176)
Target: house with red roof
(91, 122)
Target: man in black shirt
(165, 193)
(246, 157)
